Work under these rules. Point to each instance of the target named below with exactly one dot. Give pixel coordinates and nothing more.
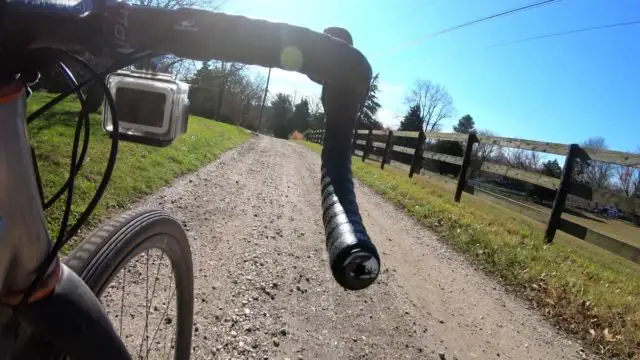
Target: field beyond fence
(383, 147)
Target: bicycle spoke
(173, 336)
(164, 314)
(147, 303)
(124, 281)
(145, 338)
(164, 349)
(153, 288)
(153, 291)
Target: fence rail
(564, 187)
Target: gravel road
(263, 289)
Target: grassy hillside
(139, 170)
(586, 291)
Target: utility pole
(264, 98)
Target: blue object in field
(613, 212)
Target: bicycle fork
(63, 312)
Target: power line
(523, 8)
(562, 33)
(568, 32)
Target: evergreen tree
(367, 114)
(301, 116)
(552, 168)
(317, 121)
(412, 120)
(201, 95)
(282, 112)
(465, 125)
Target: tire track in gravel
(263, 289)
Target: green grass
(577, 286)
(140, 170)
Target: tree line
(289, 114)
(226, 92)
(428, 104)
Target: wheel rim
(140, 299)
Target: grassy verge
(139, 170)
(585, 291)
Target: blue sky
(562, 89)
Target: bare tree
(519, 158)
(315, 105)
(636, 182)
(634, 187)
(482, 152)
(635, 192)
(435, 103)
(626, 177)
(182, 69)
(226, 72)
(244, 95)
(597, 174)
(174, 4)
(530, 160)
(317, 112)
(296, 97)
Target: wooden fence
(370, 142)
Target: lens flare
(291, 58)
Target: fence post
(387, 149)
(416, 162)
(561, 194)
(353, 143)
(367, 145)
(464, 168)
(322, 137)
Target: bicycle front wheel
(142, 256)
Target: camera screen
(140, 107)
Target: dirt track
(264, 291)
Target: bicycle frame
(63, 311)
(24, 241)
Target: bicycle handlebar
(202, 35)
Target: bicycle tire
(103, 253)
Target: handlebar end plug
(357, 268)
